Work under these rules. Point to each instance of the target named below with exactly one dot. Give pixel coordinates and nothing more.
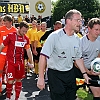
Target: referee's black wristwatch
(84, 73)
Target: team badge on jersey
(19, 44)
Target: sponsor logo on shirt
(63, 52)
(19, 44)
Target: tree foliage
(88, 8)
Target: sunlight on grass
(83, 95)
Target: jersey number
(9, 75)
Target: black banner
(14, 7)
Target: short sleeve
(49, 45)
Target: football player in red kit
(16, 42)
(4, 31)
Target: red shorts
(15, 71)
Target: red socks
(9, 90)
(18, 87)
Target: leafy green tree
(88, 8)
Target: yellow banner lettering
(16, 8)
(10, 8)
(21, 8)
(2, 9)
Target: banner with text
(14, 7)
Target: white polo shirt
(61, 50)
(90, 50)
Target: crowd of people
(63, 53)
(26, 18)
(18, 45)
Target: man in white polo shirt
(90, 45)
(59, 51)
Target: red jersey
(3, 33)
(16, 45)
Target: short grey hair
(70, 13)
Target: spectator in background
(27, 19)
(83, 21)
(57, 25)
(32, 30)
(37, 45)
(39, 18)
(38, 26)
(20, 18)
(63, 21)
(32, 18)
(30, 34)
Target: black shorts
(62, 84)
(38, 51)
(78, 74)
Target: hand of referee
(86, 78)
(41, 83)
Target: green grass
(84, 95)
